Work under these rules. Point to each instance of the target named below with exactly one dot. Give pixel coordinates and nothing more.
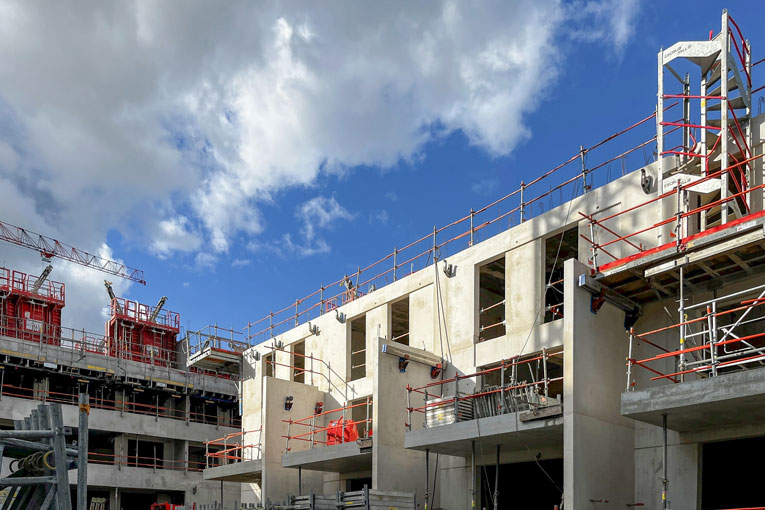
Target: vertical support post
(523, 204)
(409, 407)
(748, 118)
(502, 387)
(82, 453)
(366, 421)
(544, 371)
(395, 254)
(496, 480)
(313, 431)
(321, 300)
(687, 115)
(582, 153)
(221, 495)
(664, 480)
(456, 396)
(472, 217)
(425, 396)
(427, 477)
(271, 326)
(59, 450)
(629, 359)
(300, 480)
(681, 312)
(660, 135)
(713, 339)
(297, 312)
(725, 41)
(435, 244)
(472, 476)
(594, 248)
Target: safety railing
(216, 338)
(139, 312)
(122, 405)
(16, 281)
(320, 429)
(231, 448)
(679, 222)
(311, 366)
(716, 336)
(153, 463)
(520, 384)
(576, 175)
(83, 341)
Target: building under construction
(152, 408)
(593, 339)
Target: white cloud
(318, 213)
(174, 235)
(119, 115)
(484, 186)
(237, 262)
(379, 216)
(204, 261)
(610, 21)
(392, 196)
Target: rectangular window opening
(491, 300)
(399, 313)
(144, 453)
(558, 249)
(298, 362)
(358, 348)
(268, 365)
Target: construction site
(592, 339)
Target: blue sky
(229, 260)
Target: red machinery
(342, 431)
(30, 306)
(141, 332)
(165, 506)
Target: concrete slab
(338, 458)
(507, 429)
(727, 400)
(248, 471)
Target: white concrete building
(484, 365)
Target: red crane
(49, 248)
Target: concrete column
(598, 444)
(395, 468)
(524, 274)
(114, 499)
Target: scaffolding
(216, 349)
(719, 335)
(523, 384)
(707, 186)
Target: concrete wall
(598, 442)
(278, 481)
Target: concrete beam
(731, 399)
(506, 429)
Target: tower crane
(49, 248)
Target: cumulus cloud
(119, 115)
(174, 235)
(316, 214)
